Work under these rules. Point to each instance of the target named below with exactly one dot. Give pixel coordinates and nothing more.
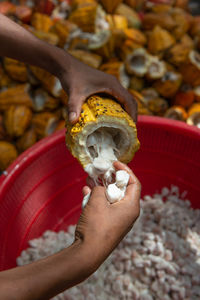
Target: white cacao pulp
(103, 151)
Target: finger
(127, 100)
(74, 106)
(131, 200)
(133, 190)
(90, 182)
(98, 195)
(86, 190)
(130, 105)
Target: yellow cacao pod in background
(16, 70)
(8, 154)
(28, 139)
(44, 123)
(17, 95)
(17, 119)
(41, 22)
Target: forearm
(16, 42)
(48, 277)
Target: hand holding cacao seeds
(116, 219)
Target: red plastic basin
(42, 188)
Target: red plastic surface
(42, 188)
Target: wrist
(90, 255)
(62, 63)
(96, 249)
(51, 58)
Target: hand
(104, 224)
(78, 80)
(83, 81)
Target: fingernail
(72, 116)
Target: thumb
(86, 193)
(86, 190)
(74, 107)
(98, 196)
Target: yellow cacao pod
(102, 113)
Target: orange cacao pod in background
(16, 95)
(27, 140)
(44, 123)
(8, 153)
